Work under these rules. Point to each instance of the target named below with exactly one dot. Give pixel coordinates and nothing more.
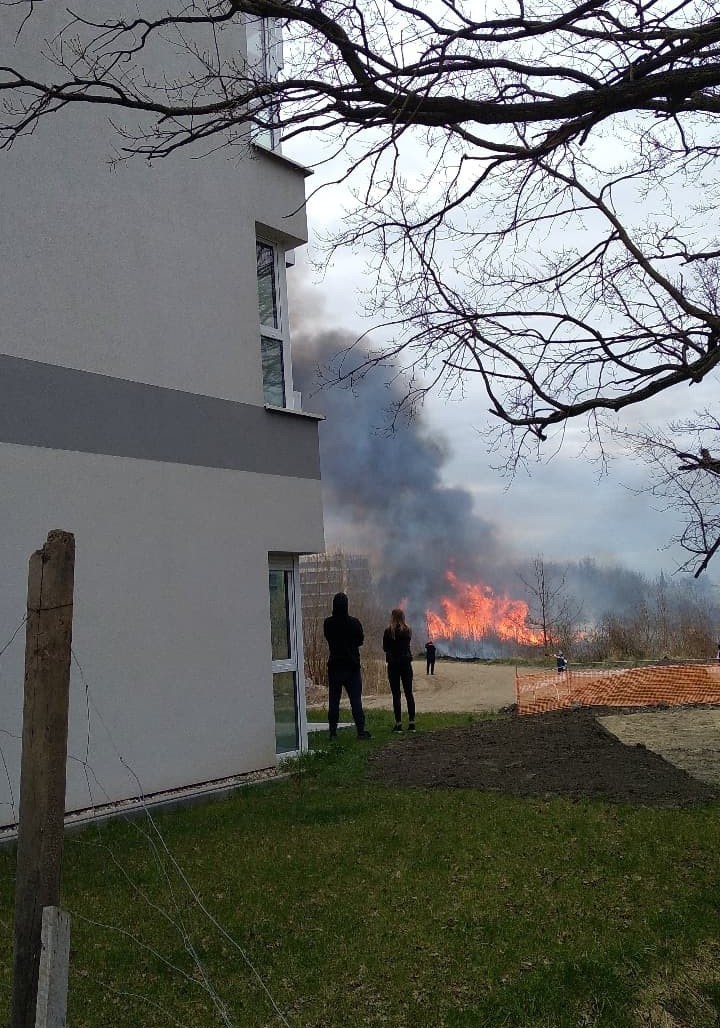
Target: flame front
(475, 612)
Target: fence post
(44, 753)
(51, 1008)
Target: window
(273, 373)
(272, 338)
(265, 61)
(280, 623)
(286, 648)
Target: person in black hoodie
(430, 654)
(396, 643)
(344, 636)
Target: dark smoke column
(383, 489)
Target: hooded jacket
(344, 636)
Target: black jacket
(397, 647)
(344, 635)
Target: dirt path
(456, 686)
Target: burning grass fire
(473, 614)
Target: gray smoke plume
(384, 496)
(383, 489)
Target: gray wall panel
(65, 409)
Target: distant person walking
(430, 654)
(560, 661)
(396, 644)
(344, 636)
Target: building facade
(147, 406)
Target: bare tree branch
(686, 478)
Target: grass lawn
(349, 903)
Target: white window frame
(264, 48)
(295, 663)
(280, 331)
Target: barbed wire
(6, 769)
(163, 857)
(176, 922)
(140, 943)
(170, 869)
(12, 637)
(127, 994)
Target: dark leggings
(401, 674)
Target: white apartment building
(147, 406)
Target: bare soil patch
(561, 753)
(651, 757)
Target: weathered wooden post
(51, 1007)
(44, 754)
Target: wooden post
(51, 1009)
(44, 754)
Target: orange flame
(474, 611)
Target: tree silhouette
(536, 184)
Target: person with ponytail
(396, 644)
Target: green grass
(359, 904)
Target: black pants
(351, 679)
(430, 666)
(401, 674)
